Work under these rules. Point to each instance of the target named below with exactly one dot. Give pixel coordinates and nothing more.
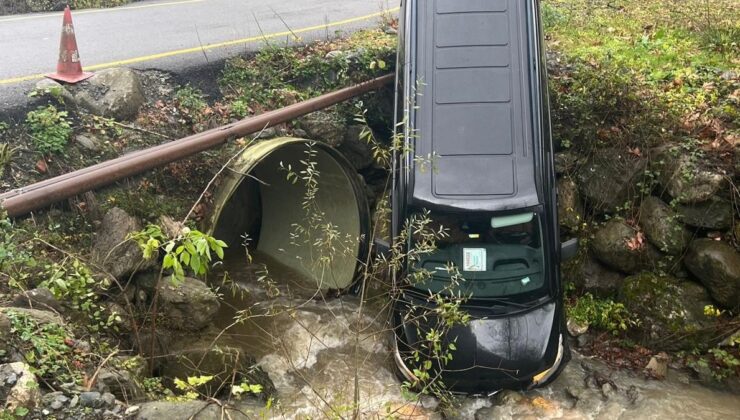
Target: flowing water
(325, 354)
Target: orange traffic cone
(69, 68)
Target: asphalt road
(177, 36)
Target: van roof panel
(474, 175)
(478, 56)
(455, 122)
(456, 6)
(471, 29)
(472, 85)
(472, 117)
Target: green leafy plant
(721, 362)
(50, 129)
(600, 313)
(45, 348)
(191, 250)
(189, 387)
(18, 413)
(190, 101)
(727, 363)
(17, 262)
(155, 390)
(102, 125)
(74, 284)
(239, 108)
(6, 156)
(381, 153)
(712, 311)
(246, 388)
(7, 244)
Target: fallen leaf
(41, 166)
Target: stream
(325, 354)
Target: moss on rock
(670, 312)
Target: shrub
(42, 5)
(95, 4)
(74, 284)
(602, 104)
(49, 128)
(191, 105)
(600, 313)
(45, 347)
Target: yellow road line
(21, 79)
(211, 46)
(89, 11)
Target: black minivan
(477, 159)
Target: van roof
(473, 118)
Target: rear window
(483, 255)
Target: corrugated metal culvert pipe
(324, 241)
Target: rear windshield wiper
(509, 302)
(475, 302)
(500, 301)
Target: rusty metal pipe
(135, 154)
(25, 200)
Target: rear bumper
(480, 381)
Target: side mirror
(382, 248)
(568, 249)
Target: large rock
(616, 245)
(324, 126)
(187, 305)
(670, 312)
(188, 410)
(591, 276)
(124, 378)
(566, 162)
(18, 386)
(717, 265)
(114, 93)
(211, 357)
(39, 316)
(113, 251)
(88, 142)
(662, 227)
(609, 178)
(714, 213)
(39, 298)
(684, 178)
(570, 210)
(357, 151)
(48, 88)
(5, 336)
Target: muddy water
(326, 354)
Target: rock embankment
(661, 239)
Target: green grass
(661, 57)
(277, 76)
(651, 35)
